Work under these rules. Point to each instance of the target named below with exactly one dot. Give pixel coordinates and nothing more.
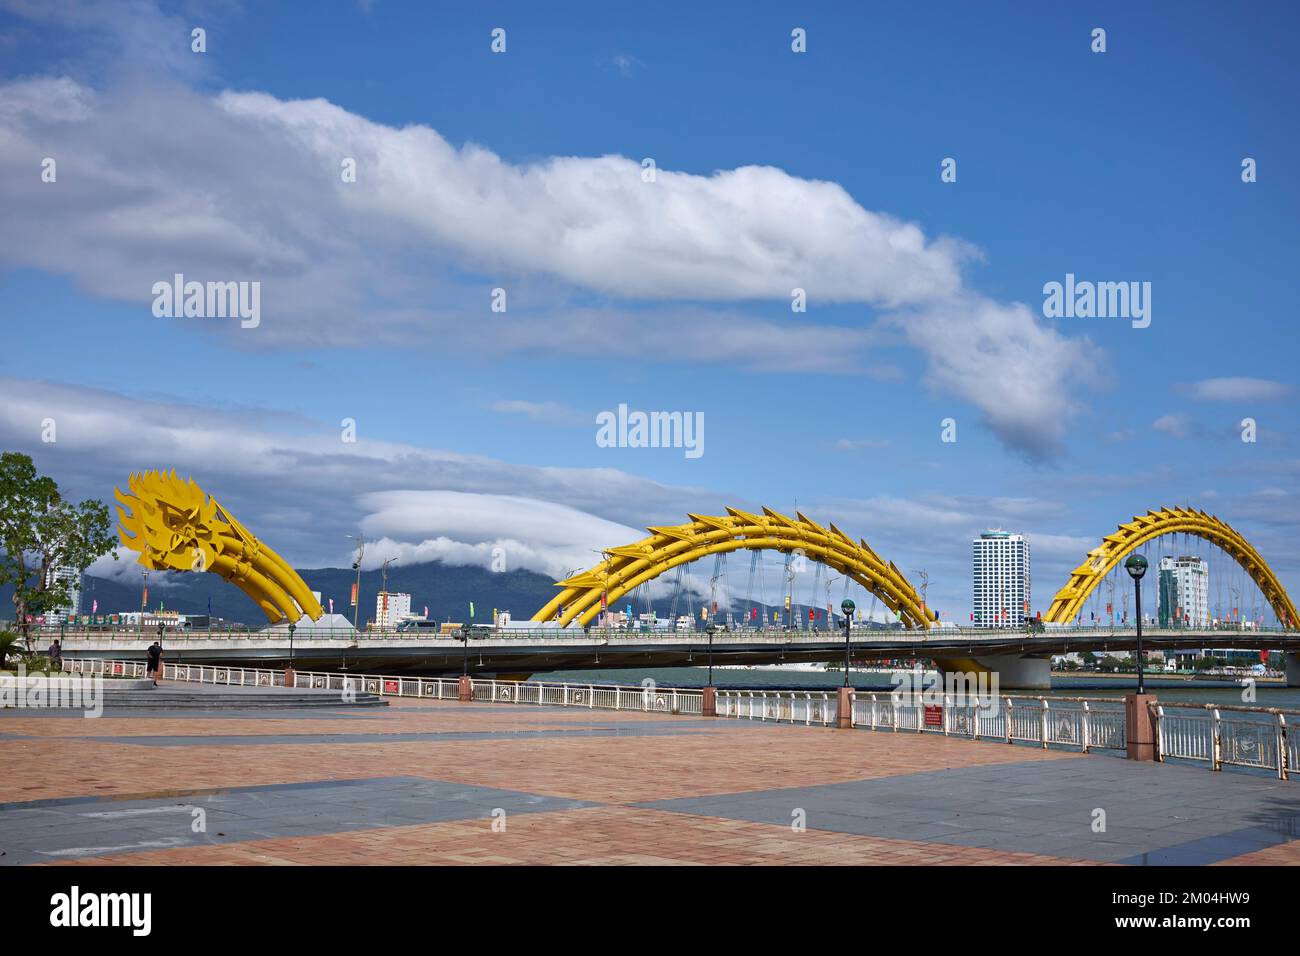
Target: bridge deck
(563, 650)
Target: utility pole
(356, 566)
(604, 586)
(713, 601)
(830, 619)
(789, 577)
(383, 571)
(925, 586)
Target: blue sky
(1120, 166)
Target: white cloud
(1027, 402)
(860, 444)
(626, 63)
(1176, 425)
(244, 186)
(551, 413)
(538, 535)
(1239, 390)
(299, 486)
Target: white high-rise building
(69, 574)
(391, 608)
(1000, 573)
(1184, 592)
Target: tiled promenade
(425, 782)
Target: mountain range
(445, 590)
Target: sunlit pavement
(437, 782)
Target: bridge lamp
(848, 607)
(1136, 566)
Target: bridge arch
(1129, 536)
(627, 566)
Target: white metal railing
(645, 698)
(195, 673)
(1226, 735)
(1047, 721)
(796, 707)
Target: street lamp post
(848, 607)
(711, 628)
(1136, 566)
(292, 627)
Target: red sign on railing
(933, 715)
(391, 687)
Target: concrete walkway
(441, 782)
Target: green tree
(10, 646)
(40, 531)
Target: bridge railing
(306, 634)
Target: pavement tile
(416, 783)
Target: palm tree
(10, 643)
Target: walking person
(56, 656)
(154, 667)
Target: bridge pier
(1293, 670)
(1014, 671)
